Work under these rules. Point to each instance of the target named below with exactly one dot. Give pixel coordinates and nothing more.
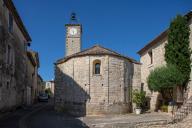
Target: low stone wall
(117, 108)
(81, 109)
(75, 109)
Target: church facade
(94, 81)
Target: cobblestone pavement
(49, 118)
(125, 121)
(186, 123)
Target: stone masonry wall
(12, 78)
(158, 52)
(76, 85)
(190, 82)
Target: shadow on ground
(49, 118)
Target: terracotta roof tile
(96, 50)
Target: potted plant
(138, 99)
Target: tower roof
(96, 50)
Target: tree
(177, 50)
(164, 79)
(48, 91)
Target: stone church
(96, 80)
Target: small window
(1, 23)
(1, 29)
(0, 95)
(8, 54)
(142, 86)
(25, 46)
(151, 56)
(8, 84)
(10, 23)
(97, 67)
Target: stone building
(50, 85)
(93, 81)
(152, 56)
(32, 89)
(14, 41)
(40, 84)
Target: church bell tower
(73, 36)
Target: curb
(22, 121)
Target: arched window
(97, 67)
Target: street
(12, 119)
(38, 116)
(42, 115)
(48, 118)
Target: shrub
(138, 98)
(164, 108)
(164, 79)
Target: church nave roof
(96, 50)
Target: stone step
(180, 114)
(190, 101)
(183, 111)
(187, 105)
(179, 117)
(184, 107)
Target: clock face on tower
(73, 31)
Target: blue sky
(121, 25)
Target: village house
(14, 60)
(50, 85)
(152, 56)
(40, 84)
(32, 89)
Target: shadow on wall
(70, 97)
(159, 102)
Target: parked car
(43, 97)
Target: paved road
(44, 116)
(48, 118)
(11, 120)
(125, 121)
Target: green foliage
(164, 108)
(164, 78)
(177, 50)
(48, 91)
(138, 98)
